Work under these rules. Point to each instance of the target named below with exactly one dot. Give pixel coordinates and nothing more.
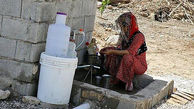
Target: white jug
(58, 37)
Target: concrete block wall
(23, 30)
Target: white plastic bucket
(56, 78)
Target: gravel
(181, 84)
(16, 103)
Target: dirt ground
(170, 44)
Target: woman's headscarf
(129, 20)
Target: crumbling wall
(23, 31)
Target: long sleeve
(136, 44)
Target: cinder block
(29, 52)
(64, 6)
(36, 50)
(27, 89)
(27, 9)
(18, 70)
(76, 23)
(10, 7)
(89, 7)
(1, 17)
(14, 28)
(89, 23)
(38, 11)
(5, 82)
(37, 33)
(7, 47)
(22, 88)
(76, 8)
(24, 30)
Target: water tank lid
(61, 13)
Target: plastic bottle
(78, 34)
(72, 46)
(58, 37)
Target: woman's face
(123, 24)
(124, 27)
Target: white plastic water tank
(56, 78)
(58, 37)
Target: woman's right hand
(108, 52)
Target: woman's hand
(115, 52)
(108, 52)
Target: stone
(144, 14)
(30, 100)
(152, 16)
(29, 52)
(110, 7)
(18, 70)
(24, 30)
(38, 11)
(141, 81)
(23, 88)
(108, 29)
(4, 94)
(99, 4)
(7, 47)
(89, 23)
(10, 7)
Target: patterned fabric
(125, 67)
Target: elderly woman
(129, 57)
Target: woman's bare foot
(129, 87)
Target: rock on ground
(4, 94)
(30, 100)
